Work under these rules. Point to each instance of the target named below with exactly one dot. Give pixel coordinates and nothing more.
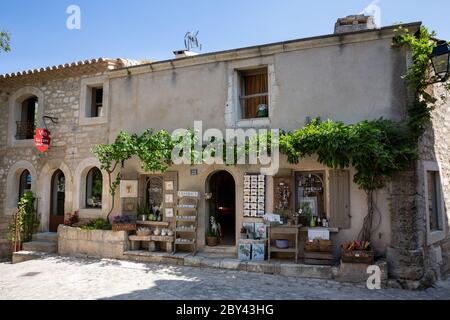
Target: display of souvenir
(254, 195)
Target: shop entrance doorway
(222, 205)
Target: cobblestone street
(75, 279)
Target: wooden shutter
(340, 199)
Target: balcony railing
(25, 130)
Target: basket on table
(143, 232)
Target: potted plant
(305, 215)
(212, 238)
(143, 212)
(284, 214)
(72, 219)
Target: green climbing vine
(418, 77)
(377, 149)
(154, 149)
(26, 220)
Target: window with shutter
(339, 199)
(310, 193)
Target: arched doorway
(24, 183)
(222, 204)
(57, 199)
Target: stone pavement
(57, 277)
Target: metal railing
(25, 130)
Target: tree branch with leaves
(5, 40)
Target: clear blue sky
(151, 29)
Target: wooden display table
(153, 223)
(275, 231)
(152, 242)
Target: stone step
(217, 255)
(220, 250)
(22, 256)
(42, 246)
(46, 236)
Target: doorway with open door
(57, 199)
(222, 205)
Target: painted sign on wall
(42, 139)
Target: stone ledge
(263, 267)
(306, 271)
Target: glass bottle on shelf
(313, 222)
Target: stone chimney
(354, 23)
(184, 53)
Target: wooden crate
(357, 256)
(318, 258)
(318, 245)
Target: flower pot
(16, 247)
(212, 241)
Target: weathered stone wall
(414, 256)
(435, 147)
(71, 144)
(91, 243)
(405, 253)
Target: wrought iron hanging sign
(42, 139)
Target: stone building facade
(348, 76)
(58, 91)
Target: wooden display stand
(275, 231)
(186, 220)
(153, 241)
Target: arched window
(154, 194)
(94, 187)
(27, 123)
(24, 183)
